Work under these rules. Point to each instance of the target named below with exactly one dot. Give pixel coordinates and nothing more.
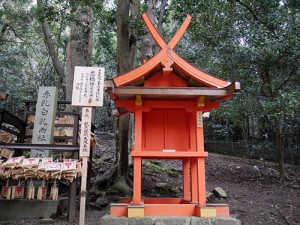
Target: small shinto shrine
(168, 97)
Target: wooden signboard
(6, 153)
(69, 165)
(85, 134)
(6, 192)
(42, 192)
(53, 166)
(30, 162)
(17, 192)
(199, 119)
(88, 86)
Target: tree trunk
(246, 135)
(125, 47)
(80, 45)
(2, 32)
(133, 31)
(148, 42)
(161, 15)
(58, 66)
(279, 150)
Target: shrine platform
(23, 208)
(167, 207)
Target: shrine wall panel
(166, 129)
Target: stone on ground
(219, 192)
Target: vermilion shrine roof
(167, 75)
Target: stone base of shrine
(177, 211)
(166, 220)
(23, 208)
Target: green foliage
(256, 43)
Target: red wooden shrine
(168, 97)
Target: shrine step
(23, 208)
(176, 220)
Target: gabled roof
(167, 61)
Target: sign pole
(85, 134)
(87, 92)
(83, 190)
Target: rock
(141, 221)
(210, 197)
(93, 205)
(165, 189)
(46, 220)
(101, 202)
(173, 221)
(256, 168)
(176, 191)
(163, 185)
(202, 221)
(296, 186)
(113, 220)
(227, 221)
(219, 192)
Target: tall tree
(126, 46)
(80, 42)
(21, 54)
(148, 44)
(156, 11)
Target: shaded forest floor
(254, 193)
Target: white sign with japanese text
(88, 86)
(199, 119)
(85, 133)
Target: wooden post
(83, 190)
(200, 161)
(85, 134)
(137, 164)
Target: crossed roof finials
(168, 58)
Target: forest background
(254, 42)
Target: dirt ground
(254, 193)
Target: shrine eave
(212, 94)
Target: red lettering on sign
(68, 164)
(19, 189)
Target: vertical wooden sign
(88, 88)
(199, 119)
(44, 120)
(85, 133)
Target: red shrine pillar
(201, 161)
(137, 165)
